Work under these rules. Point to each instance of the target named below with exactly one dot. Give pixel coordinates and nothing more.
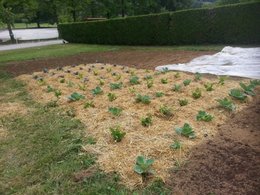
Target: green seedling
(237, 94)
(197, 76)
(186, 82)
(196, 94)
(146, 121)
(159, 94)
(227, 104)
(109, 69)
(204, 116)
(248, 89)
(114, 86)
(209, 86)
(134, 80)
(118, 77)
(143, 166)
(148, 77)
(145, 99)
(165, 70)
(164, 81)
(97, 91)
(80, 76)
(82, 87)
(52, 104)
(176, 87)
(57, 93)
(186, 131)
(222, 79)
(91, 140)
(101, 82)
(75, 97)
(115, 111)
(183, 102)
(62, 80)
(89, 104)
(49, 89)
(177, 75)
(95, 72)
(117, 134)
(149, 83)
(176, 145)
(255, 82)
(132, 90)
(70, 84)
(111, 97)
(166, 111)
(41, 82)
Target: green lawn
(30, 25)
(72, 49)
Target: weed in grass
(159, 94)
(176, 145)
(109, 69)
(52, 104)
(118, 77)
(166, 111)
(97, 91)
(114, 86)
(111, 97)
(176, 87)
(227, 104)
(222, 79)
(115, 111)
(95, 72)
(186, 131)
(117, 134)
(143, 166)
(204, 116)
(248, 89)
(91, 140)
(145, 99)
(89, 104)
(164, 81)
(71, 112)
(186, 82)
(149, 83)
(183, 102)
(75, 97)
(197, 76)
(165, 70)
(196, 94)
(134, 80)
(147, 121)
(132, 90)
(209, 86)
(70, 84)
(62, 80)
(237, 94)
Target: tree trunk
(74, 16)
(38, 24)
(122, 8)
(11, 33)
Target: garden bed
(157, 140)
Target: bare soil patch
(153, 141)
(136, 59)
(229, 163)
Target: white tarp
(233, 61)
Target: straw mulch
(154, 141)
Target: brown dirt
(137, 59)
(227, 164)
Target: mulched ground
(137, 59)
(227, 164)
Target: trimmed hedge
(233, 24)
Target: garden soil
(226, 163)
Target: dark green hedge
(236, 24)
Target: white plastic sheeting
(233, 61)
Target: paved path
(28, 45)
(31, 34)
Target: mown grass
(72, 49)
(43, 151)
